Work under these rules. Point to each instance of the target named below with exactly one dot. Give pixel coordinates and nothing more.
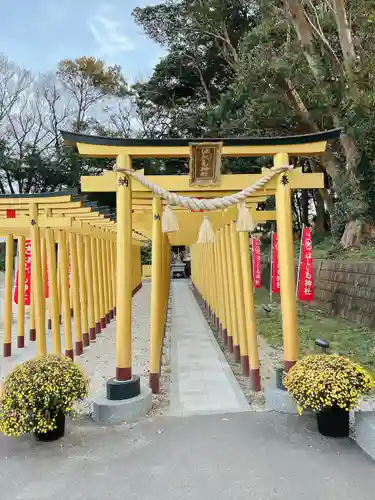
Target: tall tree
(343, 78)
(88, 81)
(13, 82)
(32, 156)
(202, 38)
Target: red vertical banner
(305, 284)
(28, 277)
(275, 276)
(257, 263)
(15, 296)
(27, 297)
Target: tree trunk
(352, 156)
(320, 222)
(296, 13)
(305, 207)
(345, 35)
(297, 212)
(202, 80)
(328, 160)
(330, 165)
(10, 183)
(311, 50)
(352, 236)
(324, 194)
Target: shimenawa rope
(206, 232)
(204, 204)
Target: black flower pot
(56, 433)
(280, 374)
(333, 422)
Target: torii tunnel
(138, 208)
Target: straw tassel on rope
(206, 232)
(245, 221)
(169, 221)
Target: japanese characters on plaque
(305, 285)
(205, 163)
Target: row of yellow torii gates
(221, 271)
(81, 274)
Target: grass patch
(328, 248)
(363, 253)
(348, 339)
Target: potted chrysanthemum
(38, 394)
(331, 386)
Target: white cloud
(108, 36)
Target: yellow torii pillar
(286, 262)
(124, 273)
(125, 385)
(156, 327)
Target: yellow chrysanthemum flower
(322, 381)
(36, 390)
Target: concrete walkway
(239, 456)
(201, 379)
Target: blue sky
(37, 34)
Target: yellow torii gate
(130, 192)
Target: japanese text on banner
(28, 259)
(275, 284)
(27, 276)
(257, 264)
(305, 285)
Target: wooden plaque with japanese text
(205, 163)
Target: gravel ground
(161, 401)
(99, 360)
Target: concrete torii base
(365, 431)
(121, 402)
(279, 400)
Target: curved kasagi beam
(97, 146)
(71, 138)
